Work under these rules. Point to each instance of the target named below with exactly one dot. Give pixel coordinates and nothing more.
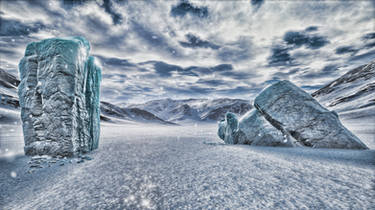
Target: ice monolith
(295, 112)
(59, 97)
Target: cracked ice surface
(59, 97)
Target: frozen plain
(188, 167)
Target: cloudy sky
(199, 49)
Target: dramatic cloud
(280, 56)
(222, 67)
(185, 8)
(194, 42)
(106, 4)
(237, 51)
(9, 27)
(370, 45)
(369, 36)
(369, 40)
(166, 70)
(346, 49)
(257, 3)
(311, 28)
(116, 17)
(208, 49)
(298, 39)
(324, 72)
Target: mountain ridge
(351, 95)
(187, 110)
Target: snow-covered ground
(188, 167)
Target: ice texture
(228, 128)
(295, 112)
(251, 129)
(59, 97)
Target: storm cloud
(346, 49)
(12, 27)
(280, 56)
(298, 39)
(184, 8)
(194, 42)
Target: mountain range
(351, 95)
(164, 111)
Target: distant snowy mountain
(113, 113)
(190, 110)
(166, 111)
(8, 90)
(9, 106)
(8, 81)
(353, 94)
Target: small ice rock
(39, 83)
(285, 140)
(13, 40)
(13, 174)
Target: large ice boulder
(293, 111)
(251, 129)
(59, 97)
